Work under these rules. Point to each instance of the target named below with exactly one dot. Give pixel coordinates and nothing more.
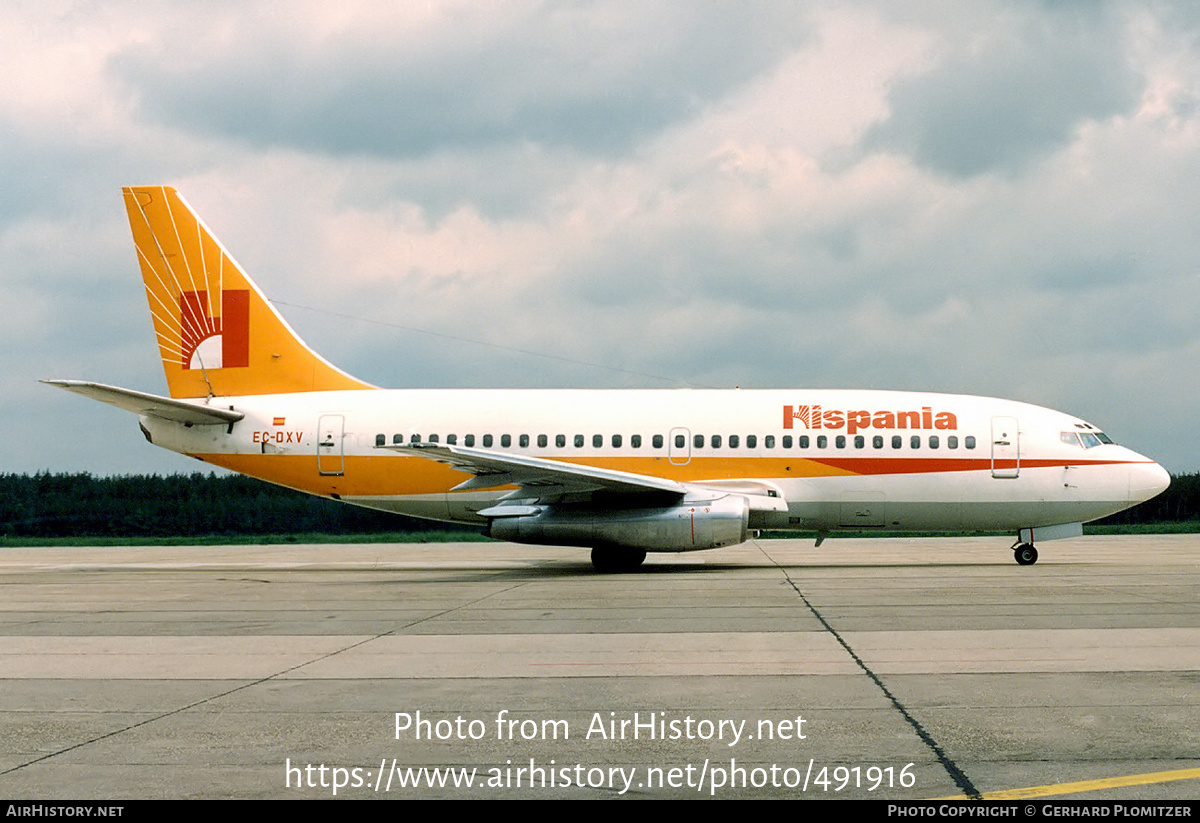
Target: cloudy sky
(997, 198)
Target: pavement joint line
(210, 698)
(956, 774)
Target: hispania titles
(814, 417)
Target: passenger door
(331, 433)
(1006, 448)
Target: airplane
(622, 472)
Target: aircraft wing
(535, 474)
(180, 411)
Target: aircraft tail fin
(217, 333)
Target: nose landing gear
(1025, 554)
(1023, 550)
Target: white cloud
(694, 192)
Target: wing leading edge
(535, 474)
(538, 477)
(619, 514)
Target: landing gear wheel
(611, 561)
(1026, 554)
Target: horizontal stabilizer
(166, 408)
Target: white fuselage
(901, 461)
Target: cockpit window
(1092, 436)
(1085, 439)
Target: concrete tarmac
(868, 668)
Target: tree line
(177, 505)
(199, 504)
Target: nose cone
(1147, 480)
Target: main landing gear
(1025, 554)
(612, 560)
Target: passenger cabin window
(969, 441)
(716, 441)
(915, 442)
(416, 438)
(751, 441)
(380, 440)
(657, 442)
(933, 441)
(597, 441)
(804, 441)
(787, 441)
(698, 441)
(468, 440)
(877, 441)
(487, 441)
(433, 438)
(542, 441)
(452, 439)
(822, 441)
(769, 441)
(397, 439)
(951, 441)
(616, 441)
(679, 441)
(840, 441)
(859, 441)
(733, 441)
(579, 441)
(635, 441)
(897, 441)
(560, 440)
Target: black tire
(1025, 554)
(613, 561)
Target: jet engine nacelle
(690, 526)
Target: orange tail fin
(217, 333)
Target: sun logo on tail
(215, 341)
